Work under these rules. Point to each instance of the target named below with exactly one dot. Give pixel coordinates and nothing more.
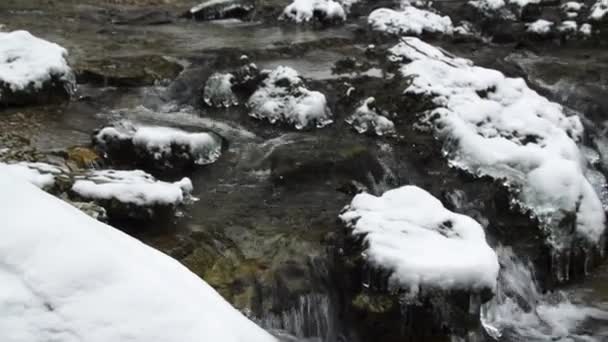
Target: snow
(497, 126)
(218, 91)
(410, 20)
(305, 10)
(41, 175)
(586, 29)
(495, 5)
(161, 142)
(568, 26)
(27, 60)
(67, 277)
(283, 97)
(599, 10)
(131, 187)
(572, 6)
(366, 119)
(540, 26)
(409, 232)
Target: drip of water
(520, 312)
(310, 320)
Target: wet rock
(90, 208)
(155, 148)
(221, 9)
(33, 71)
(128, 71)
(131, 195)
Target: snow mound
(218, 91)
(163, 144)
(283, 97)
(366, 119)
(599, 10)
(496, 126)
(67, 277)
(28, 61)
(306, 10)
(131, 187)
(41, 175)
(410, 20)
(540, 26)
(409, 232)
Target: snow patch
(409, 232)
(26, 61)
(41, 175)
(497, 126)
(410, 20)
(283, 97)
(67, 277)
(541, 27)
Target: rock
(156, 148)
(128, 71)
(33, 71)
(83, 157)
(221, 9)
(131, 195)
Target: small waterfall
(311, 319)
(521, 312)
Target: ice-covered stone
(307, 10)
(283, 97)
(221, 9)
(409, 20)
(409, 232)
(497, 126)
(367, 119)
(218, 91)
(157, 147)
(32, 70)
(67, 277)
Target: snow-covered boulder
(39, 174)
(283, 97)
(221, 9)
(540, 27)
(158, 148)
(409, 21)
(599, 10)
(132, 194)
(496, 126)
(568, 27)
(325, 11)
(408, 232)
(218, 91)
(33, 70)
(368, 119)
(67, 277)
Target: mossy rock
(83, 157)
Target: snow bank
(218, 91)
(410, 20)
(26, 61)
(283, 97)
(131, 187)
(496, 126)
(366, 119)
(306, 10)
(41, 175)
(164, 143)
(66, 277)
(409, 232)
(540, 26)
(599, 10)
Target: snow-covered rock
(218, 91)
(283, 97)
(159, 148)
(541, 27)
(494, 6)
(67, 277)
(586, 30)
(408, 232)
(221, 9)
(32, 70)
(497, 126)
(323, 10)
(367, 119)
(568, 27)
(599, 10)
(39, 174)
(409, 20)
(132, 194)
